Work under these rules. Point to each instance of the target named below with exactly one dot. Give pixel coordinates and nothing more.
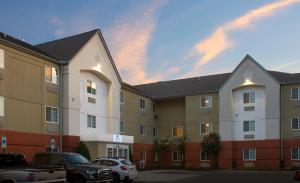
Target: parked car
(14, 168)
(122, 169)
(78, 168)
(297, 176)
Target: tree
(181, 147)
(211, 144)
(83, 150)
(161, 145)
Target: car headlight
(92, 173)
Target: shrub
(83, 150)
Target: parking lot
(215, 176)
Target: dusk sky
(165, 40)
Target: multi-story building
(69, 90)
(29, 98)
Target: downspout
(280, 128)
(61, 104)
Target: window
(296, 153)
(249, 97)
(91, 121)
(2, 58)
(177, 131)
(52, 114)
(249, 126)
(205, 128)
(154, 107)
(122, 127)
(154, 132)
(177, 156)
(112, 152)
(1, 106)
(122, 98)
(296, 123)
(249, 154)
(91, 87)
(203, 156)
(295, 93)
(143, 155)
(205, 102)
(51, 74)
(142, 104)
(143, 130)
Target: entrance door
(115, 150)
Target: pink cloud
(130, 38)
(219, 40)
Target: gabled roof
(14, 42)
(66, 48)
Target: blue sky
(165, 40)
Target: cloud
(55, 21)
(286, 66)
(129, 41)
(215, 44)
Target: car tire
(116, 178)
(78, 179)
(127, 180)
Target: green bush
(211, 143)
(83, 150)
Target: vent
(249, 108)
(251, 136)
(91, 100)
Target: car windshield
(126, 162)
(75, 159)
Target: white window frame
(52, 107)
(122, 98)
(145, 130)
(250, 159)
(2, 105)
(145, 155)
(92, 88)
(177, 127)
(2, 57)
(179, 154)
(210, 130)
(298, 93)
(142, 104)
(298, 123)
(249, 93)
(87, 121)
(154, 129)
(206, 156)
(122, 132)
(208, 97)
(249, 121)
(298, 149)
(52, 70)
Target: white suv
(122, 169)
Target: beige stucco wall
(171, 113)
(25, 91)
(133, 117)
(194, 115)
(290, 108)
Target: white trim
(88, 114)
(292, 123)
(142, 109)
(156, 131)
(53, 122)
(249, 155)
(177, 127)
(250, 131)
(210, 124)
(298, 153)
(2, 58)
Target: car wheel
(116, 178)
(127, 180)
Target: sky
(159, 40)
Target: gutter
(61, 103)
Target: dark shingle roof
(183, 87)
(200, 85)
(5, 38)
(65, 49)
